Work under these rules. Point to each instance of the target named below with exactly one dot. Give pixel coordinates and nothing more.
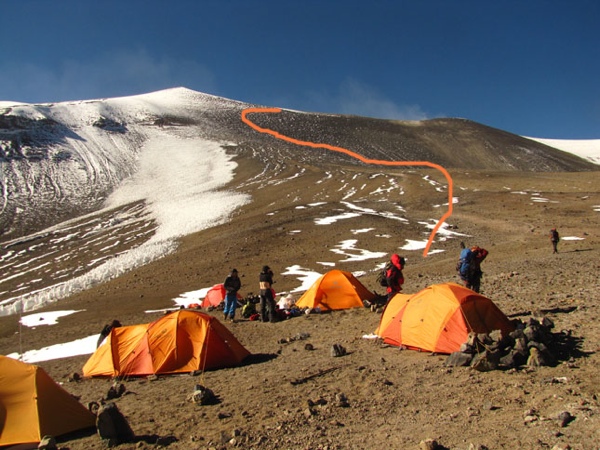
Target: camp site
(134, 210)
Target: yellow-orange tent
(439, 318)
(335, 290)
(32, 405)
(182, 341)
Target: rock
(429, 444)
(564, 418)
(115, 391)
(458, 359)
(530, 419)
(74, 377)
(337, 350)
(342, 400)
(496, 335)
(112, 425)
(477, 447)
(309, 412)
(202, 395)
(47, 443)
(521, 345)
(535, 359)
(513, 359)
(485, 361)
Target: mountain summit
(63, 160)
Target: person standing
(554, 238)
(463, 266)
(232, 285)
(267, 299)
(479, 254)
(393, 276)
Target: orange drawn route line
(378, 162)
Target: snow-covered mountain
(107, 185)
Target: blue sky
(530, 67)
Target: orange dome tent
(32, 405)
(182, 341)
(439, 318)
(335, 290)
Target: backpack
(382, 277)
(464, 263)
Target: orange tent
(32, 405)
(182, 341)
(439, 318)
(215, 296)
(335, 290)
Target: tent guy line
(359, 157)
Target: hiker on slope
(232, 285)
(394, 276)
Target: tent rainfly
(439, 318)
(335, 289)
(215, 296)
(32, 405)
(179, 342)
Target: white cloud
(356, 98)
(114, 74)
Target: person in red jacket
(394, 276)
(474, 279)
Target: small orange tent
(182, 341)
(439, 318)
(335, 290)
(32, 405)
(215, 296)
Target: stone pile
(529, 345)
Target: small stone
(47, 443)
(564, 418)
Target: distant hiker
(479, 254)
(267, 299)
(393, 275)
(106, 331)
(554, 238)
(232, 285)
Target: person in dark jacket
(554, 238)
(232, 285)
(267, 299)
(394, 276)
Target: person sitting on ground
(232, 285)
(394, 276)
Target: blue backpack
(464, 263)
